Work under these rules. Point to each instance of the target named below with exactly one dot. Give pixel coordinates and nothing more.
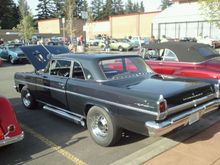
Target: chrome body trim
(95, 99)
(182, 119)
(10, 140)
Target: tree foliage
(9, 16)
(211, 10)
(165, 4)
(45, 9)
(25, 27)
(58, 10)
(97, 9)
(117, 7)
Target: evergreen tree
(58, 8)
(97, 9)
(165, 4)
(129, 7)
(141, 9)
(81, 5)
(9, 16)
(45, 9)
(135, 8)
(117, 7)
(107, 11)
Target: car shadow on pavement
(185, 134)
(45, 131)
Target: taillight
(1, 134)
(162, 107)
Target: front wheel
(12, 60)
(27, 99)
(102, 128)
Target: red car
(10, 130)
(183, 59)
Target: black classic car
(109, 93)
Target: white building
(184, 20)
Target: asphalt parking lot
(50, 139)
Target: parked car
(110, 92)
(10, 130)
(213, 42)
(119, 44)
(137, 41)
(12, 53)
(94, 42)
(183, 59)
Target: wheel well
(87, 107)
(21, 86)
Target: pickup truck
(109, 93)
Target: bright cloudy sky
(150, 5)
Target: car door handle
(62, 85)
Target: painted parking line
(53, 146)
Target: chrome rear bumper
(10, 140)
(181, 119)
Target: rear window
(124, 67)
(207, 51)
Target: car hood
(175, 89)
(39, 55)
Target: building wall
(122, 26)
(94, 29)
(49, 26)
(132, 25)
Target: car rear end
(184, 109)
(10, 130)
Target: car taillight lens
(162, 107)
(1, 134)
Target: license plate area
(193, 118)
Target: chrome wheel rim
(99, 126)
(26, 99)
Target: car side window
(78, 71)
(60, 68)
(169, 55)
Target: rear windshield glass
(124, 67)
(207, 51)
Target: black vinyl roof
(185, 51)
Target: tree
(129, 7)
(211, 10)
(45, 9)
(97, 9)
(107, 10)
(69, 9)
(141, 9)
(81, 5)
(25, 27)
(9, 14)
(58, 8)
(117, 7)
(166, 3)
(23, 8)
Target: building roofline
(49, 19)
(131, 14)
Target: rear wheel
(120, 49)
(102, 127)
(27, 99)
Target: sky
(150, 5)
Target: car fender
(196, 73)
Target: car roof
(185, 51)
(92, 56)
